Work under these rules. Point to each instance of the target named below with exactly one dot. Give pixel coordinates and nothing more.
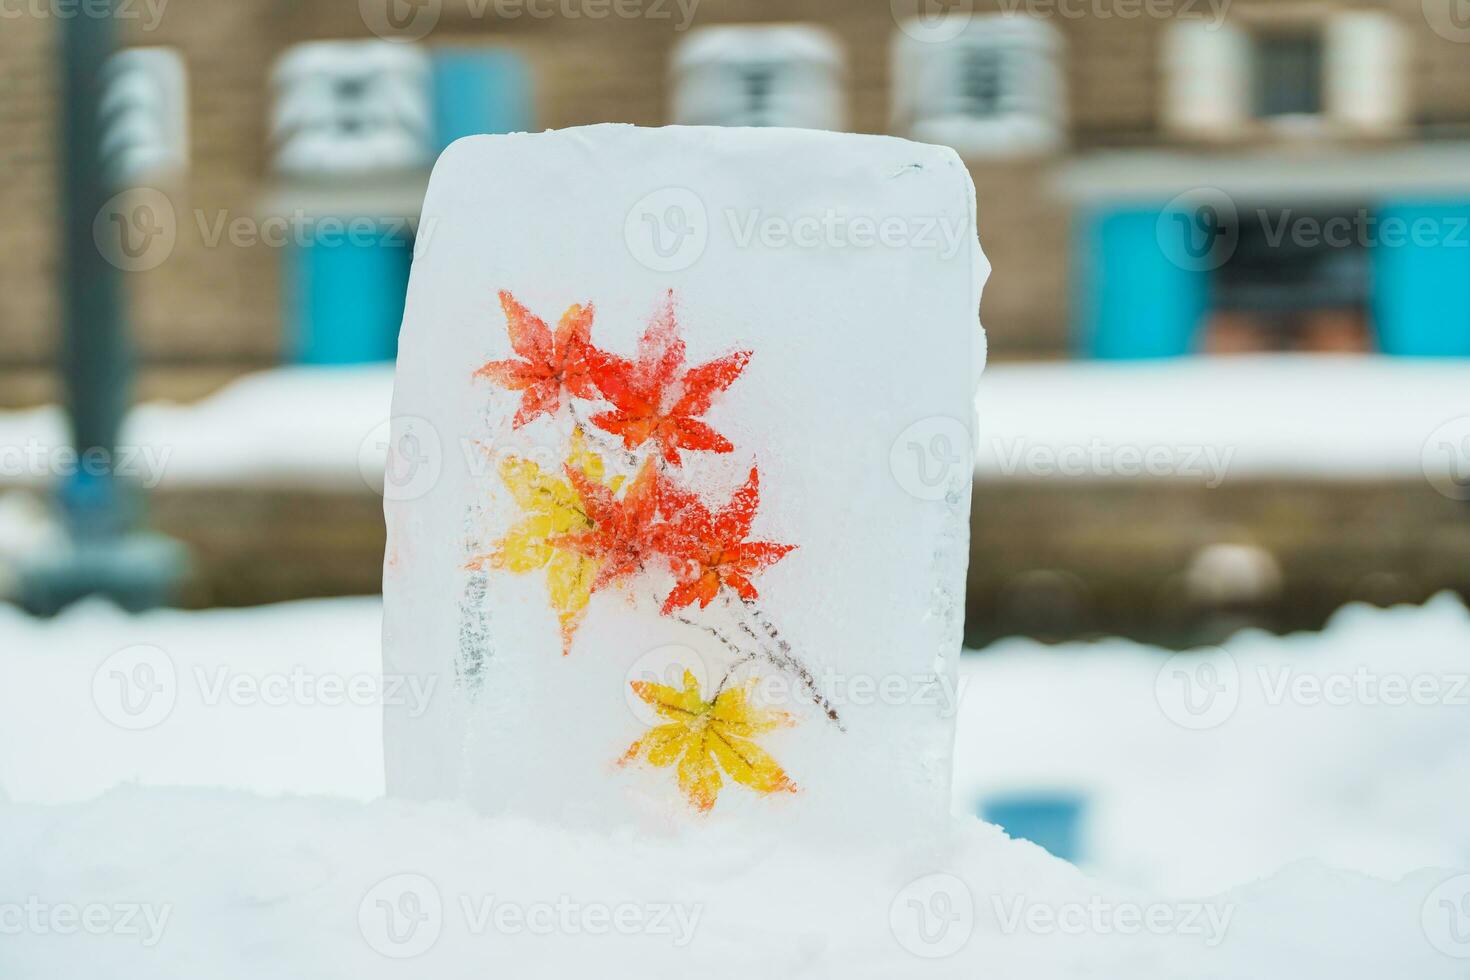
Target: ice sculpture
(678, 490)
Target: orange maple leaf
(655, 399)
(709, 550)
(621, 537)
(552, 362)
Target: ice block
(679, 479)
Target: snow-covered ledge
(1294, 173)
(1313, 416)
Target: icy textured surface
(542, 330)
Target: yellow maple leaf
(704, 737)
(553, 509)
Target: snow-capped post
(697, 407)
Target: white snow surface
(1350, 746)
(1321, 416)
(255, 822)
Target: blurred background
(1228, 321)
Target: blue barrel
(1421, 278)
(344, 299)
(479, 90)
(1051, 820)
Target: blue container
(1133, 297)
(479, 91)
(1050, 820)
(1421, 278)
(344, 299)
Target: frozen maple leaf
(708, 550)
(655, 399)
(621, 536)
(553, 509)
(704, 737)
(550, 362)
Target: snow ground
(1199, 419)
(270, 739)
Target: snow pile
(1207, 419)
(224, 698)
(294, 427)
(1351, 746)
(193, 883)
(285, 699)
(1201, 419)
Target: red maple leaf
(551, 362)
(622, 536)
(709, 550)
(655, 399)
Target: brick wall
(209, 313)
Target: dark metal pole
(95, 358)
(107, 555)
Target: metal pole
(106, 555)
(95, 357)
